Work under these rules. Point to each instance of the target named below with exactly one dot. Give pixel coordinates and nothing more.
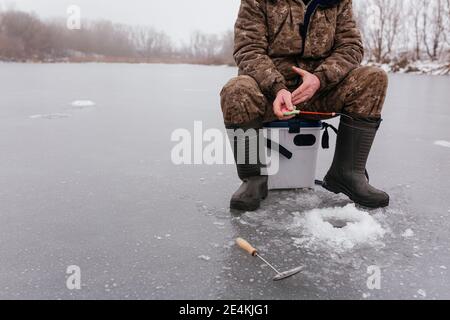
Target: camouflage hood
(273, 35)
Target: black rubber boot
(348, 171)
(254, 185)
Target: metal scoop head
(251, 250)
(287, 274)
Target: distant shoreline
(416, 68)
(113, 60)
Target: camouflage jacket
(269, 41)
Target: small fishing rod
(312, 113)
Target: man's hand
(309, 87)
(282, 104)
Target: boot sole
(338, 188)
(245, 206)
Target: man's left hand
(309, 87)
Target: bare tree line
(405, 30)
(23, 37)
(396, 32)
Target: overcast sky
(177, 17)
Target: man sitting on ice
(305, 54)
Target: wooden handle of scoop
(244, 245)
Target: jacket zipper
(305, 35)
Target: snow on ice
(83, 104)
(408, 233)
(422, 293)
(358, 228)
(442, 143)
(204, 257)
(51, 116)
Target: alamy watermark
(73, 281)
(374, 279)
(73, 17)
(213, 147)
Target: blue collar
(310, 9)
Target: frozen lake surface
(86, 179)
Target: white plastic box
(300, 140)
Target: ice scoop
(243, 244)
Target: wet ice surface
(98, 190)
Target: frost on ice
(442, 143)
(80, 104)
(204, 257)
(408, 233)
(51, 116)
(422, 293)
(356, 227)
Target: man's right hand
(282, 104)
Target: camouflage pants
(361, 93)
